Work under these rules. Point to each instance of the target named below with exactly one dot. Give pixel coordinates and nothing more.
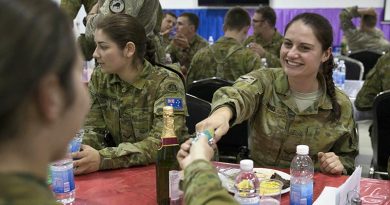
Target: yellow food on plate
(264, 174)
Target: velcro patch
(176, 103)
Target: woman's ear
(50, 98)
(129, 49)
(326, 54)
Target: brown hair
(123, 28)
(37, 39)
(369, 20)
(192, 18)
(268, 14)
(236, 19)
(324, 34)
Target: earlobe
(326, 55)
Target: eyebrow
(306, 44)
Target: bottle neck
(168, 137)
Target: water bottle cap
(302, 149)
(246, 165)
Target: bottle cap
(168, 109)
(246, 165)
(302, 149)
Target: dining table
(137, 185)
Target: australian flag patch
(176, 103)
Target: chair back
(234, 144)
(354, 68)
(198, 110)
(380, 134)
(205, 88)
(367, 57)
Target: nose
(292, 52)
(95, 53)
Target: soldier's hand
(190, 152)
(218, 121)
(87, 160)
(330, 163)
(257, 48)
(181, 41)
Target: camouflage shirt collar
(139, 81)
(275, 38)
(228, 40)
(194, 40)
(282, 87)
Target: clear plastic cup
(270, 192)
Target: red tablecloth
(137, 185)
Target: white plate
(229, 174)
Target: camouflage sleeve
(346, 17)
(202, 185)
(248, 40)
(133, 7)
(191, 74)
(244, 96)
(94, 126)
(145, 152)
(346, 147)
(88, 4)
(71, 7)
(373, 84)
(91, 24)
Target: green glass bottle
(167, 164)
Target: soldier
(44, 102)
(124, 125)
(147, 12)
(167, 27)
(367, 37)
(378, 80)
(227, 58)
(266, 40)
(186, 42)
(292, 105)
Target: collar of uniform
(275, 38)
(228, 40)
(194, 40)
(282, 87)
(139, 81)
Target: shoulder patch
(171, 87)
(117, 6)
(176, 103)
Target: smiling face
(168, 23)
(301, 54)
(107, 53)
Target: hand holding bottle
(88, 160)
(330, 163)
(190, 152)
(218, 121)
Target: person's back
(227, 58)
(377, 80)
(367, 36)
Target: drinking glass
(270, 192)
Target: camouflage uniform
(272, 49)
(72, 7)
(226, 59)
(277, 127)
(184, 56)
(132, 113)
(165, 41)
(21, 189)
(148, 13)
(202, 185)
(377, 80)
(357, 39)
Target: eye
(287, 44)
(304, 48)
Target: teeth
(292, 63)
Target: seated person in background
(292, 105)
(147, 12)
(367, 36)
(377, 80)
(266, 40)
(167, 26)
(124, 124)
(227, 58)
(201, 182)
(44, 101)
(186, 42)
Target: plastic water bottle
(263, 63)
(211, 40)
(301, 171)
(63, 185)
(75, 144)
(168, 58)
(342, 71)
(247, 184)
